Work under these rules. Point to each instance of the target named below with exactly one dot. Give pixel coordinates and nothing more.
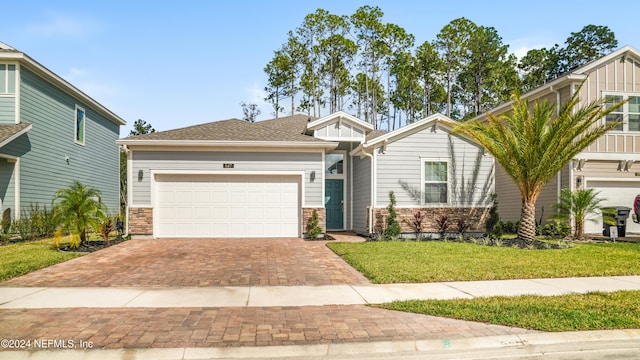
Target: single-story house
(234, 178)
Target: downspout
(127, 152)
(559, 176)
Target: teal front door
(334, 203)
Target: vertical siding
(7, 110)
(186, 161)
(399, 169)
(361, 193)
(43, 166)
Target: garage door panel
(227, 206)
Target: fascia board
(204, 143)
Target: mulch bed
(91, 246)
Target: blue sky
(179, 63)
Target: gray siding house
(233, 178)
(51, 134)
(609, 164)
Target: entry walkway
(271, 296)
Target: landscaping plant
(314, 229)
(80, 208)
(392, 231)
(534, 142)
(578, 205)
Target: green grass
(415, 262)
(592, 311)
(21, 258)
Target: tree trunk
(579, 222)
(527, 228)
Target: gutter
(217, 143)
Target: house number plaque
(228, 166)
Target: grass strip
(581, 312)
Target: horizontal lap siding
(43, 167)
(186, 161)
(7, 110)
(361, 193)
(398, 169)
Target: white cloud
(66, 25)
(520, 47)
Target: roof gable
(340, 126)
(435, 121)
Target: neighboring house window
(79, 125)
(628, 114)
(7, 79)
(435, 180)
(334, 163)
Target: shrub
(417, 224)
(463, 226)
(6, 221)
(443, 225)
(554, 229)
(492, 224)
(392, 231)
(314, 229)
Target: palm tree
(577, 204)
(533, 146)
(80, 207)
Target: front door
(334, 203)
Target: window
(79, 125)
(333, 163)
(436, 185)
(7, 79)
(628, 114)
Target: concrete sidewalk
(272, 296)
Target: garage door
(227, 206)
(616, 193)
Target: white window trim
(75, 125)
(625, 110)
(423, 160)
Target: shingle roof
(282, 129)
(296, 123)
(9, 130)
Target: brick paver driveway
(200, 262)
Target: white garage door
(227, 206)
(616, 193)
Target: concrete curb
(447, 347)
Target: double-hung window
(435, 177)
(7, 79)
(627, 115)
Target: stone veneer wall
(474, 216)
(140, 221)
(306, 219)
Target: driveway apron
(199, 262)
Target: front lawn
(592, 311)
(431, 261)
(23, 257)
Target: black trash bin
(620, 214)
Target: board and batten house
(51, 134)
(234, 178)
(611, 165)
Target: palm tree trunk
(527, 228)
